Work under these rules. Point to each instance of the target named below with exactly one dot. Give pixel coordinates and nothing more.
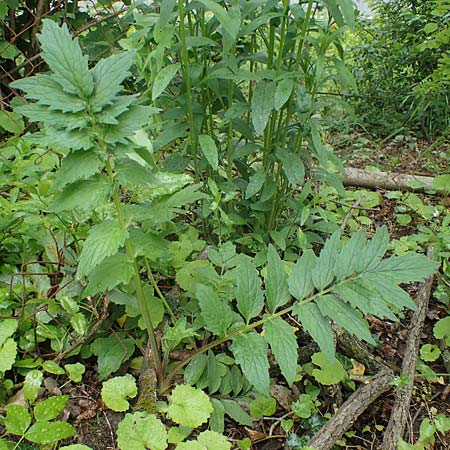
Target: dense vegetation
(174, 229)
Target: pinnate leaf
(63, 55)
(108, 74)
(277, 290)
(249, 295)
(250, 352)
(300, 280)
(281, 338)
(348, 260)
(218, 315)
(116, 391)
(317, 326)
(322, 274)
(345, 316)
(104, 239)
(189, 407)
(141, 431)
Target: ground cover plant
(173, 217)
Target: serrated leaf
(255, 183)
(277, 290)
(17, 419)
(44, 432)
(11, 121)
(50, 408)
(292, 166)
(76, 166)
(131, 173)
(235, 411)
(323, 274)
(111, 272)
(63, 55)
(283, 92)
(32, 385)
(209, 149)
(36, 112)
(350, 256)
(345, 316)
(406, 268)
(300, 280)
(375, 249)
(189, 407)
(57, 138)
(330, 372)
(281, 338)
(84, 194)
(317, 326)
(163, 78)
(190, 445)
(103, 240)
(194, 273)
(263, 101)
(108, 74)
(141, 431)
(263, 405)
(111, 353)
(249, 295)
(48, 92)
(218, 315)
(116, 391)
(250, 352)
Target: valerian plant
(82, 111)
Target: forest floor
(96, 424)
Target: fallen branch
(386, 180)
(400, 411)
(357, 403)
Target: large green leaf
(141, 431)
(111, 351)
(103, 240)
(209, 149)
(323, 274)
(162, 79)
(375, 250)
(283, 92)
(300, 280)
(84, 194)
(218, 316)
(317, 326)
(263, 101)
(405, 268)
(292, 166)
(277, 290)
(76, 166)
(255, 183)
(111, 272)
(63, 56)
(250, 352)
(44, 432)
(17, 419)
(345, 316)
(46, 89)
(281, 338)
(108, 74)
(348, 259)
(249, 295)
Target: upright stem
(142, 302)
(187, 80)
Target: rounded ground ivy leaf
(430, 352)
(75, 447)
(331, 371)
(214, 441)
(75, 371)
(140, 431)
(190, 445)
(189, 406)
(116, 390)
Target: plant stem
(142, 302)
(187, 79)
